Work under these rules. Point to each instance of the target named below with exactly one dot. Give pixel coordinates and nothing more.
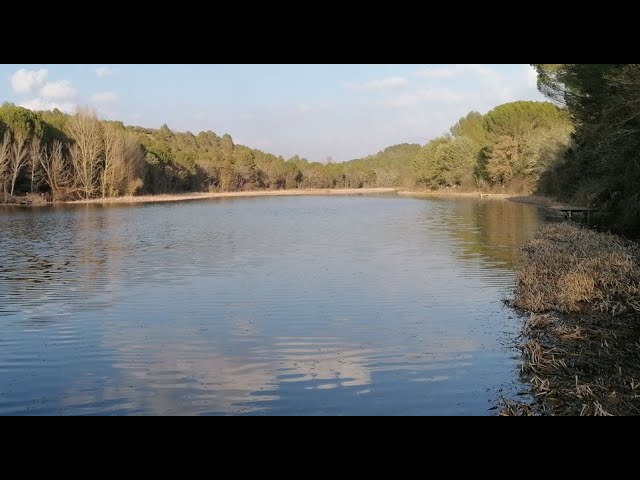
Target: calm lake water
(262, 306)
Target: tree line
(66, 156)
(79, 157)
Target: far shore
(254, 193)
(530, 199)
(451, 193)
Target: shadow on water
(491, 230)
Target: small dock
(494, 195)
(569, 212)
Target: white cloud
(488, 87)
(39, 103)
(432, 95)
(61, 89)
(135, 116)
(441, 72)
(475, 69)
(315, 107)
(199, 116)
(40, 94)
(532, 76)
(28, 81)
(103, 97)
(105, 71)
(248, 116)
(387, 83)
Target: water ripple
(287, 306)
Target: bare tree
(35, 154)
(134, 165)
(5, 154)
(56, 171)
(114, 161)
(86, 131)
(18, 157)
(123, 163)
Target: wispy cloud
(199, 116)
(42, 104)
(426, 95)
(387, 83)
(105, 71)
(61, 89)
(469, 85)
(475, 69)
(439, 72)
(315, 107)
(478, 69)
(103, 97)
(248, 116)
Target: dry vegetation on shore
(581, 341)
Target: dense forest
(507, 149)
(602, 165)
(79, 156)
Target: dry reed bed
(581, 342)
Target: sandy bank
(256, 193)
(451, 194)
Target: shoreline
(448, 194)
(540, 201)
(178, 197)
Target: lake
(320, 305)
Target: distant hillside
(393, 165)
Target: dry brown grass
(513, 408)
(37, 199)
(537, 320)
(580, 356)
(568, 268)
(31, 199)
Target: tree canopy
(602, 166)
(509, 147)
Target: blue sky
(315, 111)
